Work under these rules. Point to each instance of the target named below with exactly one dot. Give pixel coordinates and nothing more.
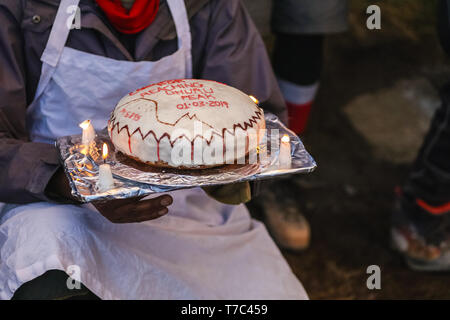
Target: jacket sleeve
(236, 55)
(25, 167)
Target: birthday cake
(186, 123)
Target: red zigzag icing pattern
(116, 125)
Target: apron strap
(59, 34)
(181, 20)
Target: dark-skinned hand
(117, 211)
(134, 209)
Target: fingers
(162, 201)
(144, 206)
(143, 217)
(138, 211)
(133, 210)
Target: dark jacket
(226, 48)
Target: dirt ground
(348, 199)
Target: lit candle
(105, 178)
(88, 132)
(254, 100)
(284, 157)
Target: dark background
(378, 91)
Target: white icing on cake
(149, 123)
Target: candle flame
(85, 124)
(84, 150)
(105, 151)
(254, 99)
(285, 139)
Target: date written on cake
(188, 105)
(228, 309)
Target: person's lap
(202, 249)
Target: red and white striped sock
(299, 100)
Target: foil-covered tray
(131, 179)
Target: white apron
(201, 250)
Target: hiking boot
(285, 222)
(421, 236)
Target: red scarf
(140, 16)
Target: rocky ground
(378, 92)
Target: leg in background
(297, 63)
(421, 219)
